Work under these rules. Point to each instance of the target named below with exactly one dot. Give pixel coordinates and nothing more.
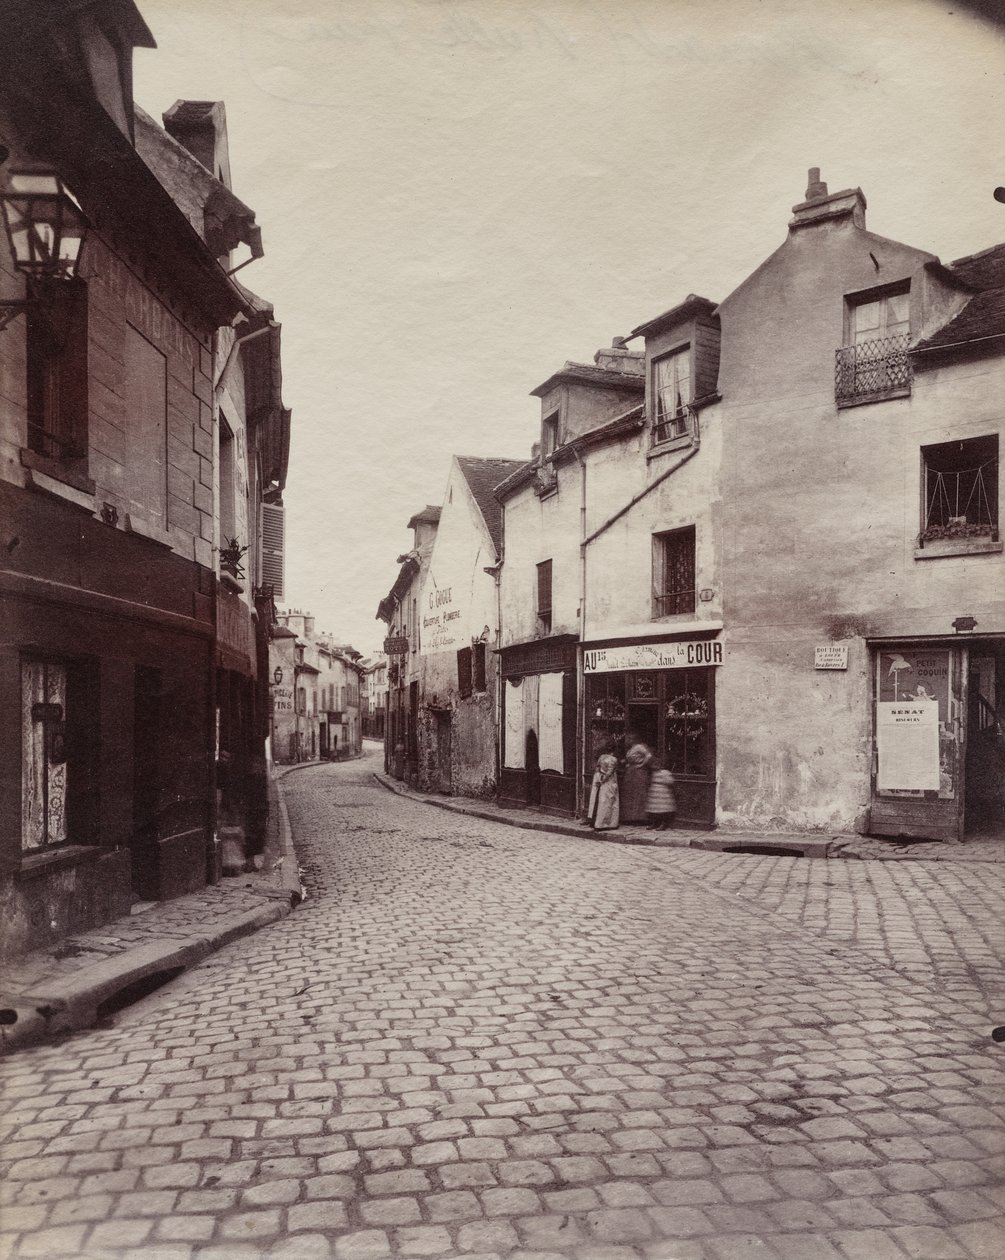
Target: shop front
(938, 746)
(538, 725)
(661, 694)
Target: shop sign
(396, 646)
(907, 742)
(830, 656)
(282, 699)
(688, 653)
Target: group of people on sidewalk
(644, 794)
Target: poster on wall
(907, 743)
(915, 674)
(514, 701)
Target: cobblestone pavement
(478, 1041)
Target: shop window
(672, 395)
(464, 671)
(873, 363)
(606, 710)
(674, 572)
(544, 597)
(960, 490)
(57, 376)
(478, 666)
(686, 721)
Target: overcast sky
(459, 195)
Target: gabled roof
(482, 476)
(983, 317)
(691, 306)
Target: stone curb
(838, 846)
(54, 1008)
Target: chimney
(620, 359)
(201, 127)
(820, 206)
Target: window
(674, 572)
(146, 429)
(960, 490)
(57, 375)
(478, 666)
(873, 362)
(672, 395)
(549, 436)
(686, 728)
(464, 671)
(544, 597)
(43, 754)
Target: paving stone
(322, 1214)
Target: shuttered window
(464, 671)
(544, 597)
(273, 548)
(478, 666)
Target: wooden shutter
(273, 564)
(544, 587)
(478, 666)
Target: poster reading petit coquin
(912, 705)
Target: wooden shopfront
(662, 694)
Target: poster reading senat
(907, 738)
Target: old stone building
(458, 621)
(399, 610)
(109, 483)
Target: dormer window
(549, 436)
(873, 362)
(672, 395)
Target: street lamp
(46, 230)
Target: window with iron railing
(960, 490)
(874, 362)
(674, 572)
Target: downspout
(580, 680)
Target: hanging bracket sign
(396, 647)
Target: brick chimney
(620, 359)
(820, 206)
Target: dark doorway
(443, 776)
(644, 724)
(532, 766)
(984, 798)
(146, 780)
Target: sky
(457, 196)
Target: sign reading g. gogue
(680, 655)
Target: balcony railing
(670, 603)
(872, 369)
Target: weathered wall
(539, 529)
(820, 514)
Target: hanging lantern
(45, 225)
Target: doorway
(532, 767)
(984, 792)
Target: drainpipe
(580, 680)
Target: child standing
(661, 805)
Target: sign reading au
(688, 653)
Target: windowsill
(231, 584)
(673, 618)
(939, 547)
(903, 391)
(55, 470)
(670, 445)
(136, 525)
(43, 862)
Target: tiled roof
(429, 515)
(983, 317)
(482, 476)
(590, 374)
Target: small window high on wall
(960, 490)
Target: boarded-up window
(273, 548)
(57, 375)
(146, 429)
(464, 671)
(478, 666)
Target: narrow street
(478, 1041)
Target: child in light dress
(661, 804)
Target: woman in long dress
(635, 788)
(604, 793)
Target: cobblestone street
(474, 1040)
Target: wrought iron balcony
(872, 369)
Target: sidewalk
(87, 977)
(777, 844)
